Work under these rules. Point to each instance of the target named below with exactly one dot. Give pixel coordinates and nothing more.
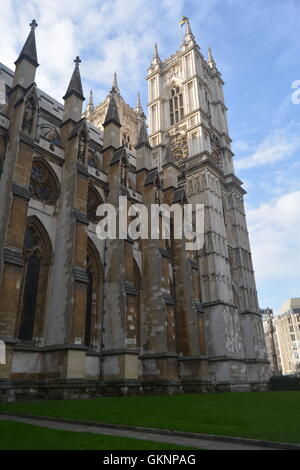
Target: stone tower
(187, 111)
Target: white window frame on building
(176, 105)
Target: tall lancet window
(176, 105)
(94, 297)
(37, 254)
(93, 202)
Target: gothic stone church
(82, 316)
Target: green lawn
(272, 416)
(19, 436)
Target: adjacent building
(287, 325)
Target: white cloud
(109, 35)
(279, 144)
(241, 146)
(275, 240)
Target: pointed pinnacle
(115, 86)
(29, 49)
(156, 54)
(155, 59)
(210, 60)
(90, 105)
(112, 114)
(139, 108)
(75, 85)
(169, 155)
(143, 138)
(188, 32)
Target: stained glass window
(93, 202)
(42, 185)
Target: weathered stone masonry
(84, 317)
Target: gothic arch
(93, 201)
(50, 133)
(94, 159)
(94, 298)
(37, 251)
(175, 82)
(44, 184)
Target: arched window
(93, 201)
(43, 183)
(94, 297)
(37, 254)
(176, 105)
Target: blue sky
(257, 49)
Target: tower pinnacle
(169, 155)
(139, 108)
(90, 105)
(112, 114)
(156, 59)
(75, 85)
(189, 38)
(143, 138)
(29, 49)
(210, 60)
(115, 86)
(91, 98)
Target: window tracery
(176, 105)
(42, 184)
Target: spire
(75, 86)
(188, 37)
(90, 105)
(91, 99)
(115, 86)
(156, 55)
(139, 108)
(210, 60)
(169, 155)
(143, 138)
(156, 59)
(112, 114)
(29, 49)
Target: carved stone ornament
(178, 141)
(81, 149)
(216, 150)
(27, 125)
